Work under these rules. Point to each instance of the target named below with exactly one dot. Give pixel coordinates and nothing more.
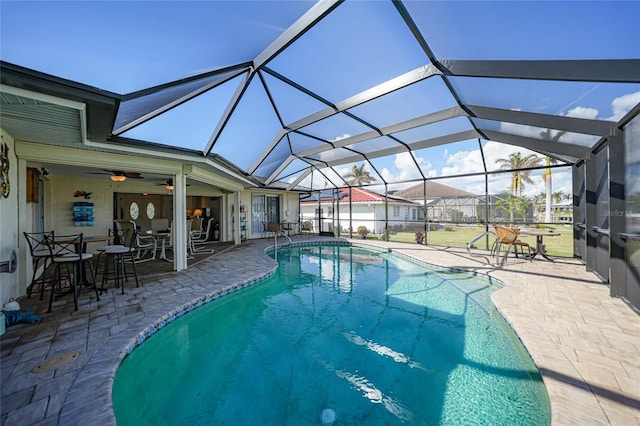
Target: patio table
(164, 236)
(86, 240)
(540, 249)
(288, 227)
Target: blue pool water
(338, 333)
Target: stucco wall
(9, 282)
(289, 206)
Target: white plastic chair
(200, 237)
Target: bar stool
(40, 253)
(118, 254)
(67, 251)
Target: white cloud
(622, 105)
(344, 136)
(582, 112)
(463, 162)
(405, 168)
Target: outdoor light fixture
(118, 178)
(169, 187)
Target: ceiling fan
(119, 175)
(168, 184)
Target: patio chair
(119, 254)
(265, 229)
(67, 251)
(201, 231)
(276, 230)
(306, 228)
(159, 224)
(144, 245)
(200, 237)
(509, 237)
(189, 245)
(197, 226)
(41, 259)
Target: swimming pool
(338, 333)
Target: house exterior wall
(372, 215)
(16, 215)
(288, 206)
(12, 284)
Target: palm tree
(538, 202)
(358, 176)
(554, 137)
(515, 162)
(559, 196)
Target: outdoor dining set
(62, 264)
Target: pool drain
(56, 362)
(328, 416)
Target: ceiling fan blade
(168, 182)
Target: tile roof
(434, 190)
(361, 195)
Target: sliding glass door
(264, 208)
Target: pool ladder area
(488, 258)
(275, 238)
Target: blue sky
(123, 46)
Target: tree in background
(358, 176)
(514, 206)
(538, 203)
(517, 161)
(559, 196)
(548, 134)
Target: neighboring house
(445, 203)
(368, 210)
(562, 212)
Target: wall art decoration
(5, 186)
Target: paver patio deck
(585, 343)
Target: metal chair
(40, 258)
(306, 228)
(509, 237)
(200, 237)
(143, 244)
(119, 254)
(68, 251)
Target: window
(396, 211)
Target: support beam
(231, 106)
(617, 219)
(295, 31)
(546, 121)
(579, 211)
(606, 71)
(533, 144)
(137, 110)
(179, 221)
(591, 195)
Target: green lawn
(459, 236)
